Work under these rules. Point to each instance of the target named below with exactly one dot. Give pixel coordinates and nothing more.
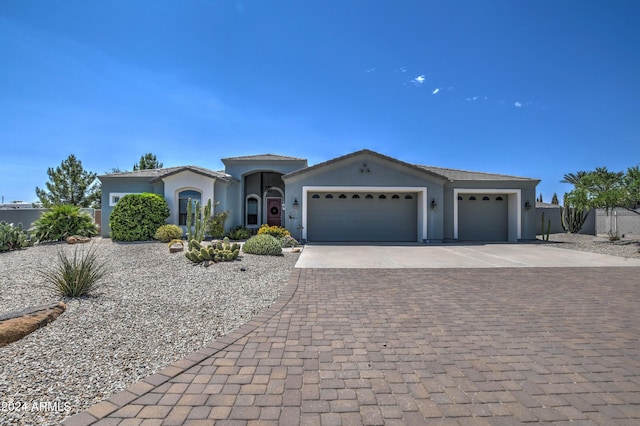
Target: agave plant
(75, 276)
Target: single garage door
(362, 216)
(483, 217)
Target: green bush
(167, 233)
(288, 241)
(215, 225)
(13, 237)
(63, 221)
(74, 277)
(263, 244)
(276, 231)
(136, 217)
(239, 233)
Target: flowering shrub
(275, 231)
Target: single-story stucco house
(360, 197)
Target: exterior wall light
(296, 204)
(434, 205)
(527, 205)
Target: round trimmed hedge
(263, 244)
(137, 217)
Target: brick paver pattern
(437, 346)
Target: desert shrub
(276, 231)
(61, 222)
(263, 244)
(167, 233)
(215, 225)
(239, 233)
(136, 217)
(13, 237)
(74, 276)
(288, 241)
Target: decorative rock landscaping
(154, 308)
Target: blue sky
(529, 88)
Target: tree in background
(147, 161)
(554, 199)
(605, 189)
(70, 184)
(539, 199)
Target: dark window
(459, 197)
(369, 197)
(382, 196)
(328, 196)
(342, 196)
(498, 198)
(395, 196)
(252, 211)
(355, 196)
(183, 201)
(472, 198)
(485, 198)
(315, 196)
(408, 197)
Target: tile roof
(157, 174)
(454, 174)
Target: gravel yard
(625, 247)
(154, 308)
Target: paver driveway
(418, 346)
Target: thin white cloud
(517, 104)
(418, 80)
(370, 69)
(435, 91)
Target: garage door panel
(482, 219)
(361, 219)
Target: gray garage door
(362, 216)
(483, 217)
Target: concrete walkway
(496, 255)
(412, 346)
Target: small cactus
(217, 251)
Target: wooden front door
(274, 211)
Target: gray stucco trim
(422, 202)
(515, 209)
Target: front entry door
(274, 214)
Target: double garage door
(362, 216)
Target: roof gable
(363, 152)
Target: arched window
(183, 201)
(355, 196)
(459, 198)
(252, 211)
(315, 196)
(499, 198)
(328, 196)
(408, 197)
(382, 196)
(485, 198)
(472, 198)
(369, 197)
(395, 197)
(342, 196)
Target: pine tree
(147, 161)
(555, 200)
(70, 184)
(540, 198)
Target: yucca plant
(75, 276)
